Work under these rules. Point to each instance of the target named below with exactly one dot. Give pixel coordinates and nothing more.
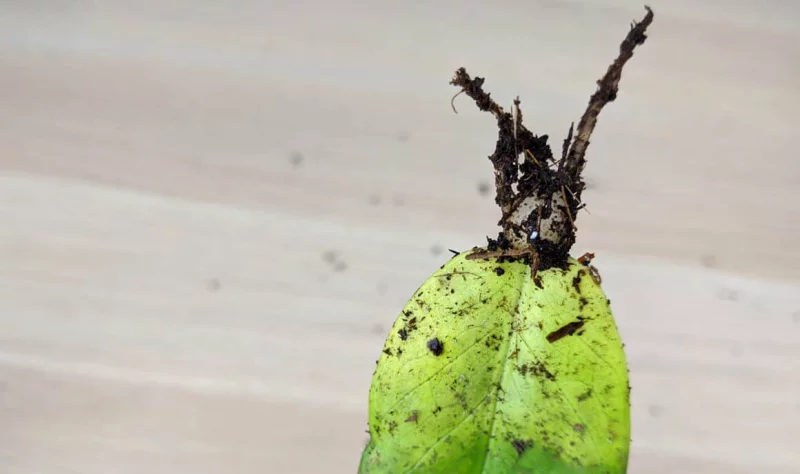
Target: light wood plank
(165, 306)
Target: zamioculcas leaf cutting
(507, 360)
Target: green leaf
(488, 371)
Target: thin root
(453, 100)
(607, 89)
(529, 154)
(566, 206)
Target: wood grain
(173, 173)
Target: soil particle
(436, 346)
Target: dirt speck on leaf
(565, 330)
(576, 283)
(521, 445)
(436, 346)
(585, 395)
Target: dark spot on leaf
(576, 282)
(565, 330)
(412, 418)
(521, 445)
(585, 395)
(538, 369)
(436, 346)
(387, 351)
(403, 334)
(499, 271)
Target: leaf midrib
(503, 373)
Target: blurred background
(212, 212)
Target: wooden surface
(172, 174)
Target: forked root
(540, 197)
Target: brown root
(538, 217)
